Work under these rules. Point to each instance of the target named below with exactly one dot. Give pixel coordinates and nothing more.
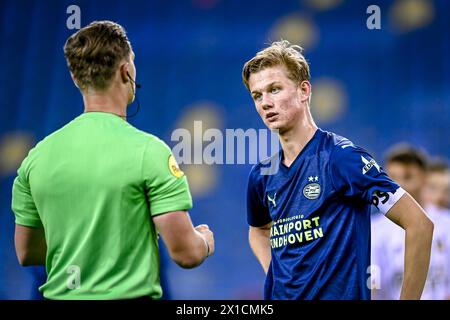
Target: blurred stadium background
(376, 87)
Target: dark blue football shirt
(320, 209)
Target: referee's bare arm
(259, 242)
(30, 245)
(408, 214)
(187, 246)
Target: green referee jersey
(94, 186)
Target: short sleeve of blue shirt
(257, 211)
(355, 173)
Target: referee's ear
(74, 80)
(124, 72)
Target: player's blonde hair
(279, 53)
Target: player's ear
(305, 90)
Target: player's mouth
(271, 116)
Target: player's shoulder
(343, 149)
(340, 144)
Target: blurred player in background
(91, 198)
(437, 186)
(310, 220)
(408, 165)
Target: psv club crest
(312, 190)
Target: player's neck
(105, 101)
(293, 141)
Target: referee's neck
(105, 101)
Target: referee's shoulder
(147, 138)
(44, 142)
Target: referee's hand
(208, 236)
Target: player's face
(409, 176)
(437, 189)
(277, 98)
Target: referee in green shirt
(91, 198)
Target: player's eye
(257, 97)
(275, 90)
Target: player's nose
(267, 102)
